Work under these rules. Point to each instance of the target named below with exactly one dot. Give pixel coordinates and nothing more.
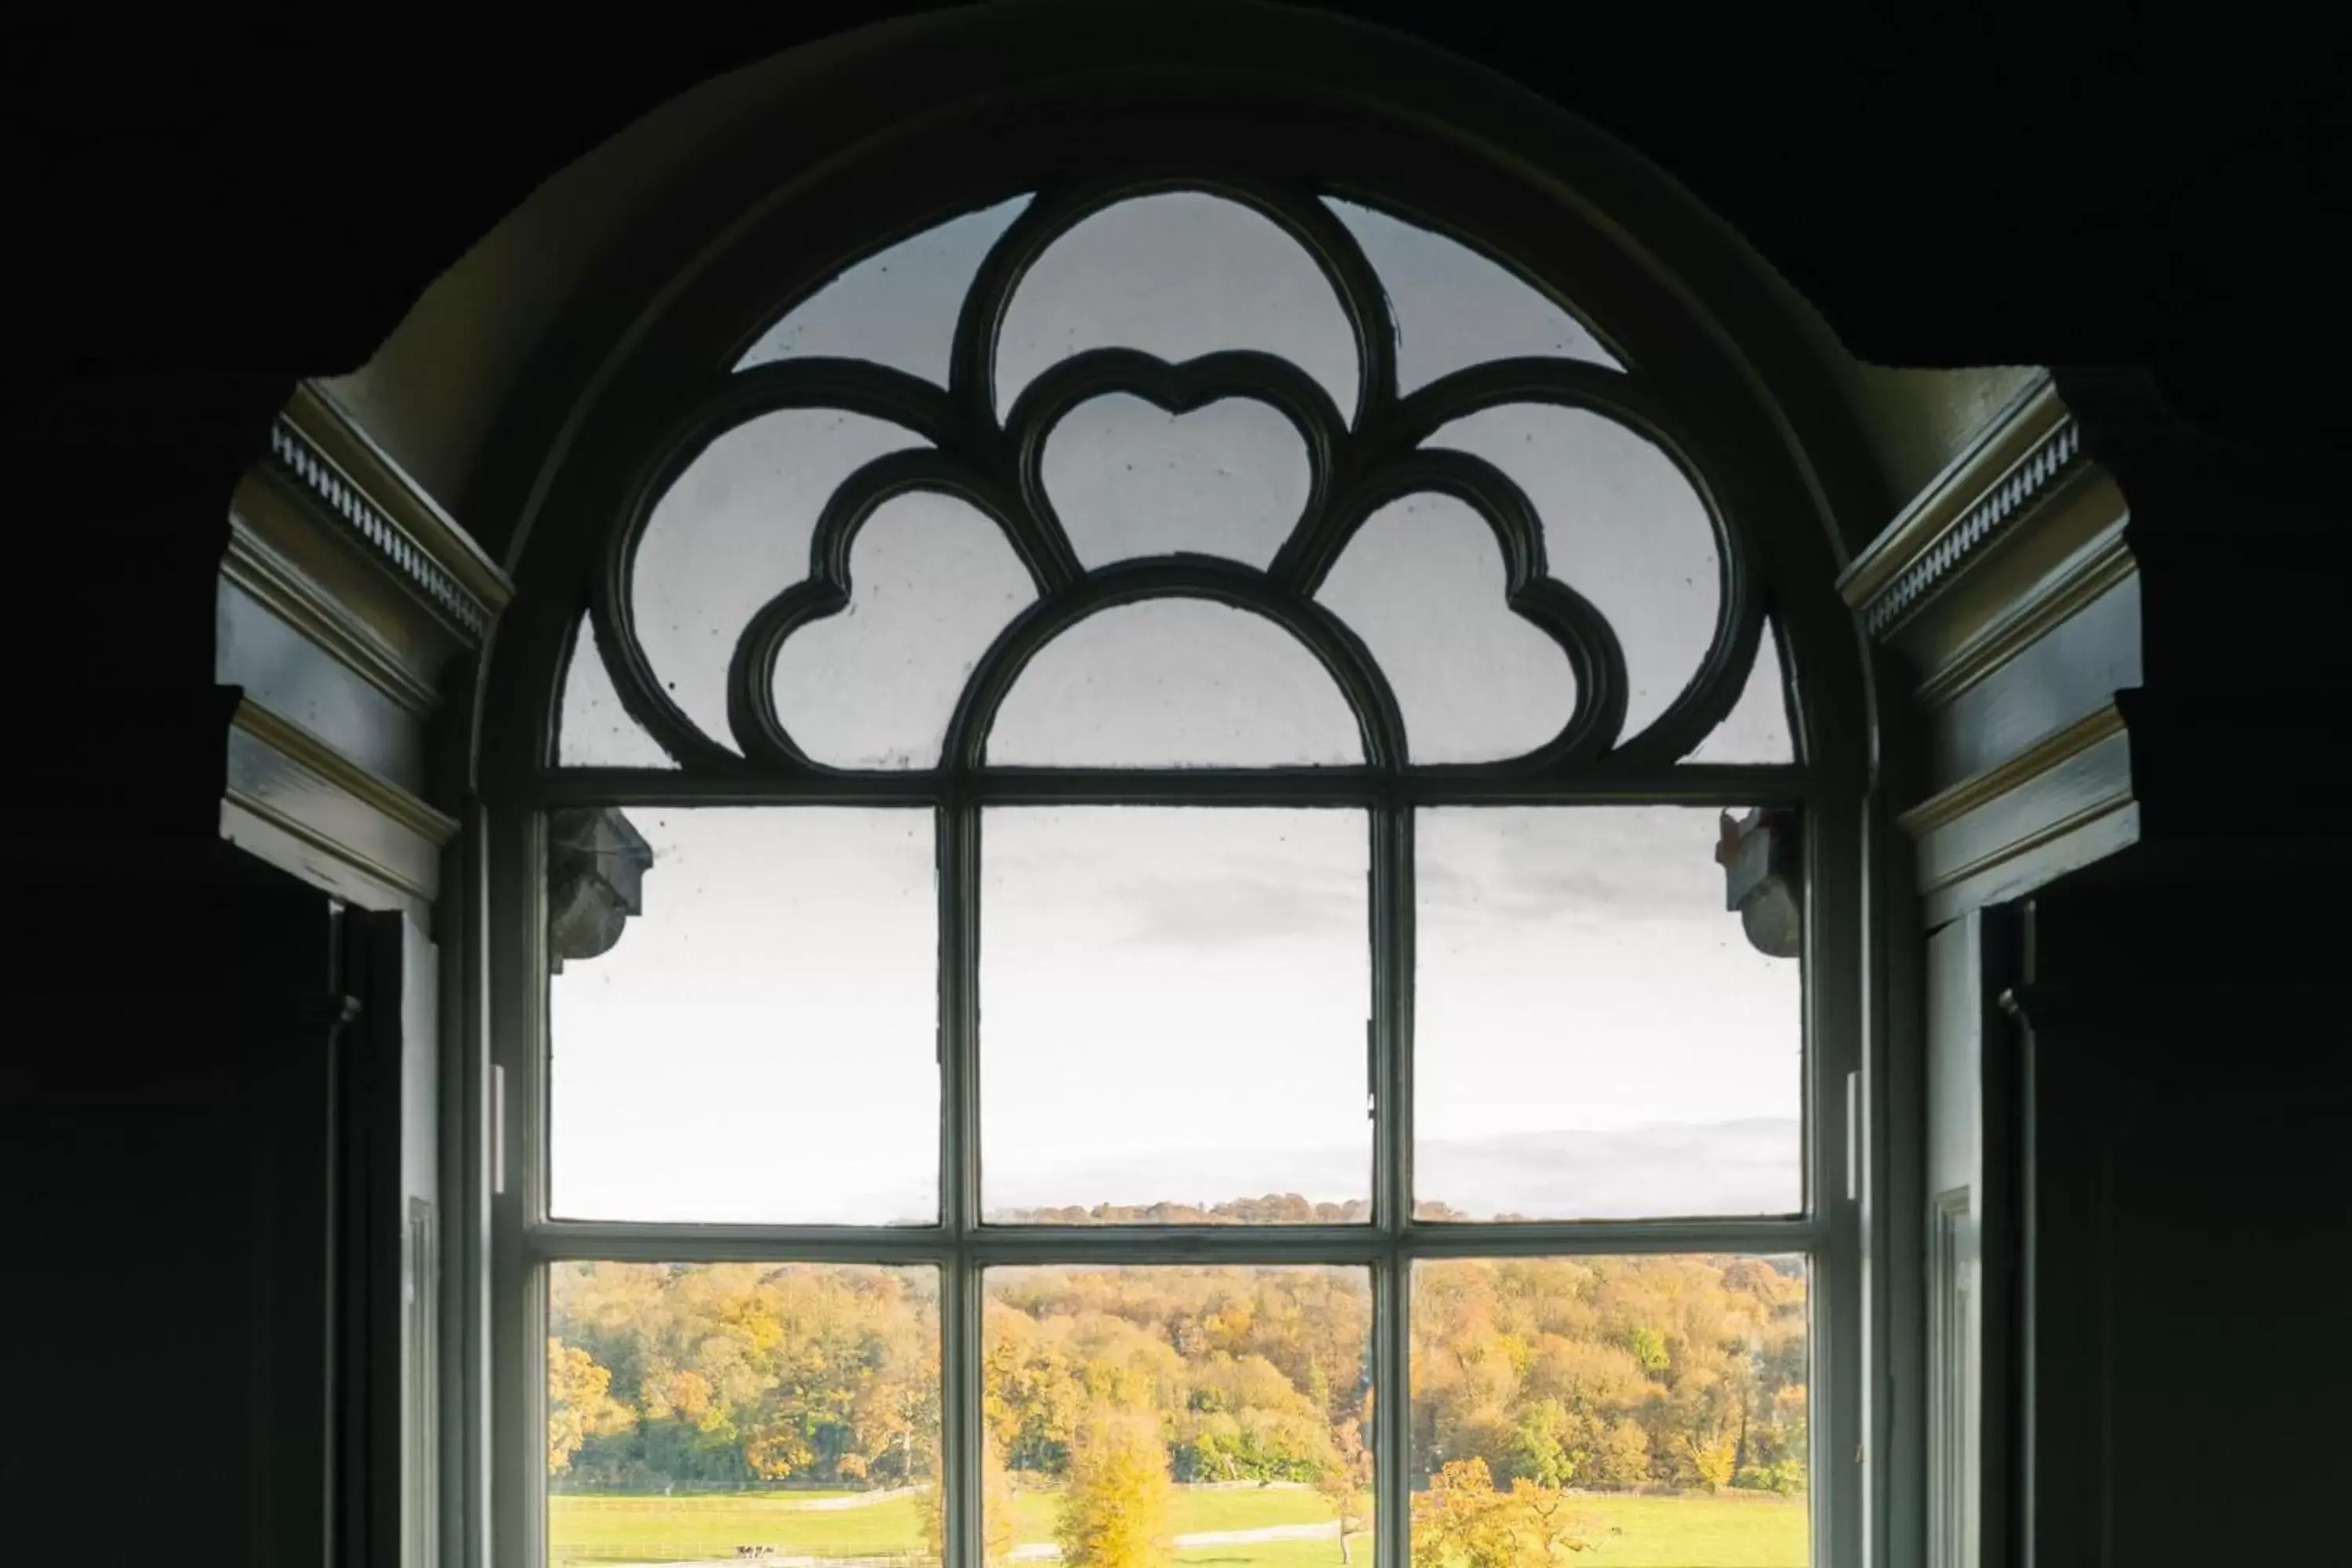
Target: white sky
(1173, 1002)
(1174, 1005)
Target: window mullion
(1391, 1411)
(1392, 1015)
(959, 1017)
(1393, 905)
(960, 1433)
(960, 1427)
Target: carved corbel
(596, 863)
(1763, 880)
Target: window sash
(962, 1246)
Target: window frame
(1826, 787)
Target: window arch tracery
(966, 461)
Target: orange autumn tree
(579, 1404)
(1346, 1482)
(1463, 1521)
(1117, 1512)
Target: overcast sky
(1174, 1002)
(1174, 1005)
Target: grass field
(1734, 1531)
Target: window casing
(1363, 457)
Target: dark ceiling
(237, 196)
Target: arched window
(1169, 721)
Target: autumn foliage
(1115, 1509)
(1461, 1519)
(1533, 1379)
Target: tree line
(1530, 1378)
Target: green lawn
(1243, 1508)
(1270, 1554)
(1734, 1531)
(634, 1528)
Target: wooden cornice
(262, 570)
(2023, 459)
(2100, 565)
(300, 746)
(1981, 789)
(321, 450)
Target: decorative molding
(346, 862)
(298, 746)
(309, 467)
(2098, 568)
(1979, 527)
(1948, 806)
(2071, 842)
(316, 447)
(288, 591)
(2046, 834)
(2064, 801)
(2021, 462)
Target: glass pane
(931, 584)
(1623, 527)
(1455, 308)
(1647, 1409)
(1172, 1005)
(759, 1045)
(1128, 479)
(1178, 276)
(733, 531)
(712, 1411)
(1757, 728)
(898, 306)
(1174, 683)
(1140, 1415)
(1594, 1038)
(1423, 584)
(594, 730)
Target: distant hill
(1658, 1171)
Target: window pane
(932, 581)
(759, 1045)
(1172, 1006)
(730, 534)
(1178, 276)
(1207, 1415)
(1127, 479)
(595, 729)
(1621, 526)
(1652, 1408)
(1423, 584)
(1757, 728)
(1174, 683)
(898, 306)
(1453, 307)
(696, 1409)
(1594, 1038)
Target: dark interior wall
(167, 1146)
(2180, 1060)
(204, 212)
